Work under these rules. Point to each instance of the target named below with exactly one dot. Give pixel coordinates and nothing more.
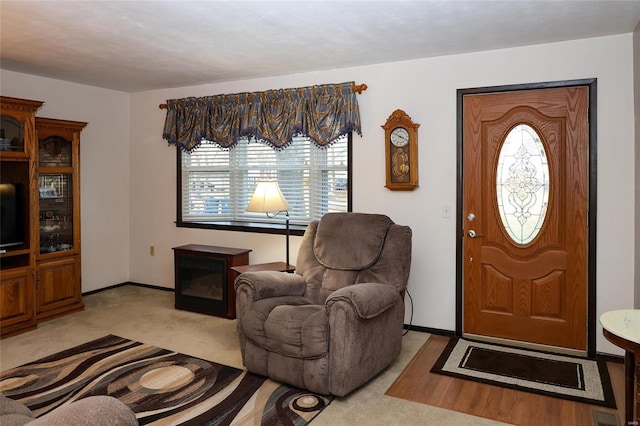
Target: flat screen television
(11, 214)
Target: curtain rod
(357, 88)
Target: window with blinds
(217, 184)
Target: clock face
(399, 136)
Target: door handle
(472, 234)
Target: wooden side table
(622, 328)
(273, 266)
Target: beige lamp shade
(267, 198)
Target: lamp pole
(287, 233)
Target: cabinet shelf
(55, 170)
(10, 253)
(57, 253)
(15, 259)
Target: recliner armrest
(368, 299)
(265, 284)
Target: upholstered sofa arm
(95, 410)
(98, 410)
(367, 299)
(265, 284)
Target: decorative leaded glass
(55, 151)
(522, 184)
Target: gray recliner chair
(337, 321)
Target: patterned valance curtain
(323, 113)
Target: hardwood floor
(417, 384)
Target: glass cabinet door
(56, 212)
(11, 134)
(55, 185)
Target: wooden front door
(525, 191)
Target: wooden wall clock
(401, 151)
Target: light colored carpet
(147, 315)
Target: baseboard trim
(155, 287)
(619, 359)
(429, 330)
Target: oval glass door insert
(522, 184)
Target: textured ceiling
(142, 45)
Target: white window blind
(217, 184)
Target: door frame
(592, 191)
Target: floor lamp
(267, 198)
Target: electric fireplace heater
(203, 280)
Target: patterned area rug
(162, 387)
(576, 379)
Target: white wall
(426, 90)
(144, 183)
(104, 167)
(636, 91)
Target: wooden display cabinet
(17, 239)
(40, 268)
(58, 266)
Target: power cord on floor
(411, 317)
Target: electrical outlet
(446, 210)
(152, 250)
